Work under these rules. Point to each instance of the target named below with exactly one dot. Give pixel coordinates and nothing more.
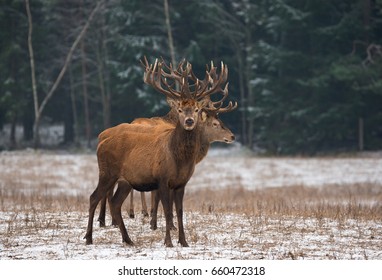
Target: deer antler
(157, 76)
(216, 106)
(213, 80)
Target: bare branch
(69, 56)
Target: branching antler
(163, 78)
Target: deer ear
(204, 116)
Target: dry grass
(40, 220)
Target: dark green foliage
(299, 69)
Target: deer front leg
(164, 195)
(178, 198)
(154, 209)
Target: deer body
(161, 156)
(213, 131)
(161, 161)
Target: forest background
(307, 74)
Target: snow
(28, 233)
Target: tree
(40, 107)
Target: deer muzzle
(189, 124)
(229, 139)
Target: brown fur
(214, 130)
(162, 160)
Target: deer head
(186, 94)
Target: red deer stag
(214, 129)
(172, 153)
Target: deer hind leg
(178, 197)
(119, 197)
(109, 198)
(103, 187)
(102, 213)
(131, 209)
(144, 205)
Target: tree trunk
(85, 94)
(101, 53)
(40, 108)
(360, 134)
(36, 137)
(251, 97)
(243, 101)
(74, 107)
(12, 137)
(169, 33)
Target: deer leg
(131, 209)
(178, 197)
(164, 195)
(103, 187)
(119, 197)
(173, 227)
(109, 197)
(144, 205)
(152, 202)
(154, 209)
(102, 213)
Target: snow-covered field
(236, 207)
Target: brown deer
(163, 160)
(214, 129)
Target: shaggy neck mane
(186, 144)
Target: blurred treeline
(307, 74)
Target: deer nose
(229, 139)
(189, 122)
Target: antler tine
(216, 82)
(225, 95)
(230, 107)
(157, 76)
(215, 106)
(180, 75)
(153, 76)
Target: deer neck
(186, 144)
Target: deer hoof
(169, 244)
(145, 214)
(101, 223)
(173, 227)
(184, 243)
(153, 225)
(89, 240)
(128, 242)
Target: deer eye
(196, 110)
(180, 110)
